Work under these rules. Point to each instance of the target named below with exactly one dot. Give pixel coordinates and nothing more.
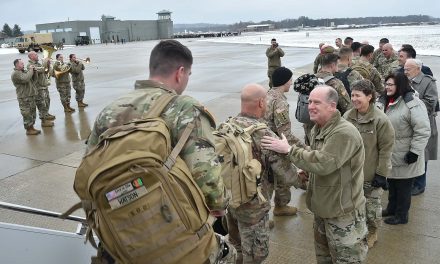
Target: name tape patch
(126, 193)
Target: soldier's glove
(379, 181)
(410, 157)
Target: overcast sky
(28, 13)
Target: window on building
(67, 29)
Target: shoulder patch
(205, 111)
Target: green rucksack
(140, 198)
(240, 170)
(363, 69)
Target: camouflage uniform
(317, 63)
(368, 71)
(334, 162)
(387, 66)
(76, 70)
(41, 83)
(198, 152)
(62, 83)
(273, 61)
(344, 102)
(278, 120)
(377, 134)
(377, 57)
(353, 76)
(248, 224)
(355, 59)
(26, 95)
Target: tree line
(304, 21)
(14, 32)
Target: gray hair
(332, 94)
(417, 62)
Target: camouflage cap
(327, 49)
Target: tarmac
(38, 171)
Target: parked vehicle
(32, 42)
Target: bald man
(389, 62)
(248, 224)
(426, 87)
(333, 165)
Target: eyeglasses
(390, 84)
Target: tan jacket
(334, 162)
(64, 78)
(377, 133)
(39, 80)
(274, 56)
(76, 70)
(22, 81)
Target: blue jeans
(420, 181)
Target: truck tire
(21, 51)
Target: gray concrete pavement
(38, 171)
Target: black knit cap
(281, 76)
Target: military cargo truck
(32, 42)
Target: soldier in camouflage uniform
(248, 224)
(389, 62)
(377, 54)
(323, 49)
(63, 83)
(344, 63)
(377, 133)
(329, 67)
(367, 70)
(274, 54)
(278, 120)
(76, 70)
(170, 68)
(333, 165)
(26, 92)
(41, 83)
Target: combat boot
(32, 131)
(50, 117)
(284, 210)
(67, 109)
(82, 104)
(371, 238)
(46, 123)
(71, 108)
(271, 224)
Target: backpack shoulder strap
(328, 78)
(251, 129)
(158, 106)
(169, 163)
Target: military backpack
(140, 198)
(363, 69)
(343, 76)
(240, 170)
(304, 85)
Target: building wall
(110, 30)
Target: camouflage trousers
(64, 90)
(282, 193)
(42, 101)
(341, 239)
(250, 241)
(373, 206)
(80, 89)
(28, 110)
(269, 74)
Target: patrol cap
(281, 76)
(327, 49)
